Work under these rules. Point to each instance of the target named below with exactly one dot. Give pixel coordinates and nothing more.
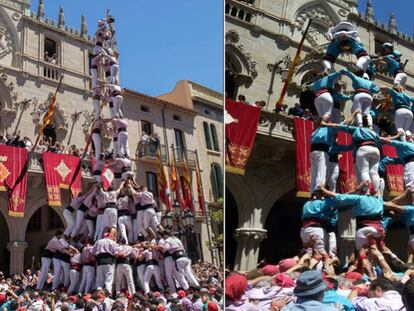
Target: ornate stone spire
(84, 30)
(40, 10)
(392, 24)
(61, 20)
(369, 12)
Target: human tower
(113, 239)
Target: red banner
(240, 135)
(162, 183)
(61, 171)
(176, 185)
(107, 175)
(303, 132)
(347, 181)
(13, 178)
(394, 172)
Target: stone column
(346, 233)
(16, 250)
(248, 245)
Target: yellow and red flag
(162, 183)
(200, 191)
(187, 186)
(176, 185)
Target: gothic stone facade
(262, 37)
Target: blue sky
(401, 8)
(160, 41)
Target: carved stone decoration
(343, 12)
(9, 95)
(317, 13)
(314, 55)
(317, 36)
(232, 40)
(250, 234)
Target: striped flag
(187, 186)
(162, 183)
(176, 185)
(200, 191)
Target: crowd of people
(373, 278)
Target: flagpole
(51, 103)
(210, 242)
(292, 67)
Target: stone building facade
(261, 39)
(26, 82)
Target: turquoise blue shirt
(362, 205)
(323, 135)
(392, 65)
(320, 209)
(400, 99)
(404, 149)
(327, 82)
(360, 135)
(361, 83)
(333, 298)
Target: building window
(146, 127)
(152, 183)
(50, 51)
(54, 220)
(215, 138)
(179, 139)
(378, 46)
(207, 136)
(176, 117)
(216, 176)
(35, 222)
(145, 108)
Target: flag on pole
(162, 183)
(176, 185)
(187, 186)
(200, 191)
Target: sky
(402, 9)
(160, 41)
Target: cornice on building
(158, 101)
(53, 25)
(206, 95)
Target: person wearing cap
(363, 91)
(104, 251)
(310, 291)
(402, 107)
(345, 40)
(323, 87)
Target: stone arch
(244, 201)
(4, 210)
(305, 73)
(240, 67)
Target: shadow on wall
(283, 226)
(232, 220)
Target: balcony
(242, 10)
(183, 153)
(277, 125)
(148, 152)
(36, 165)
(49, 71)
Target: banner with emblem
(394, 171)
(13, 178)
(303, 132)
(347, 180)
(107, 175)
(61, 172)
(240, 135)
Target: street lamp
(168, 220)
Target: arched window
(215, 138)
(216, 176)
(207, 136)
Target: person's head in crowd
(310, 286)
(241, 98)
(408, 294)
(235, 286)
(379, 286)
